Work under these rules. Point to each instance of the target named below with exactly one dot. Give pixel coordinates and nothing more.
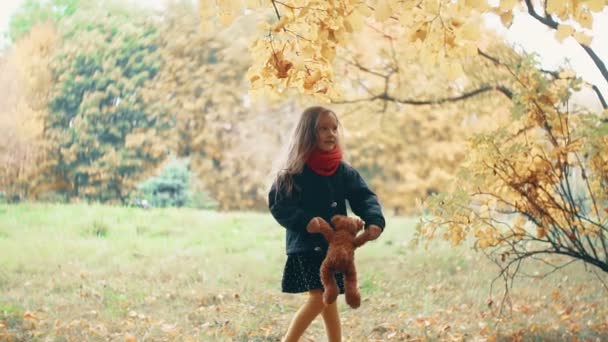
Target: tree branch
(599, 96)
(386, 97)
(276, 10)
(548, 21)
(554, 74)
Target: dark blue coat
(324, 196)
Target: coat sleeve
(363, 201)
(286, 210)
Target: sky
(525, 33)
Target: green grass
(93, 272)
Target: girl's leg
(331, 317)
(305, 315)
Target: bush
(173, 188)
(169, 188)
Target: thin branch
(548, 21)
(366, 69)
(298, 7)
(276, 10)
(495, 60)
(386, 97)
(597, 60)
(599, 95)
(599, 278)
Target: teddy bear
(340, 256)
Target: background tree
(33, 12)
(419, 135)
(26, 82)
(107, 136)
(229, 141)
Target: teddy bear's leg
(330, 293)
(353, 298)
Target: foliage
(297, 48)
(33, 12)
(107, 135)
(26, 83)
(535, 186)
(407, 150)
(534, 182)
(229, 141)
(170, 188)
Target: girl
(313, 185)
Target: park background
(137, 146)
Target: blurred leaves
(106, 136)
(26, 83)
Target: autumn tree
(419, 135)
(530, 189)
(230, 141)
(26, 82)
(107, 136)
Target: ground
(101, 273)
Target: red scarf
(325, 163)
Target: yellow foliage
(564, 31)
(317, 29)
(27, 78)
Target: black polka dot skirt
(301, 273)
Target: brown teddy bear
(340, 256)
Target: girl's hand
(373, 231)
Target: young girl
(314, 185)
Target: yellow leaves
(563, 31)
(585, 19)
(506, 19)
(382, 11)
(281, 24)
(508, 5)
(486, 237)
(354, 22)
(480, 5)
(452, 69)
(484, 211)
(596, 5)
(312, 79)
(456, 234)
(420, 33)
(558, 7)
(280, 64)
(583, 38)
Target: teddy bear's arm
(326, 230)
(361, 239)
(319, 225)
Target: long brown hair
(303, 142)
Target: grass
(99, 273)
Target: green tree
(171, 188)
(108, 135)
